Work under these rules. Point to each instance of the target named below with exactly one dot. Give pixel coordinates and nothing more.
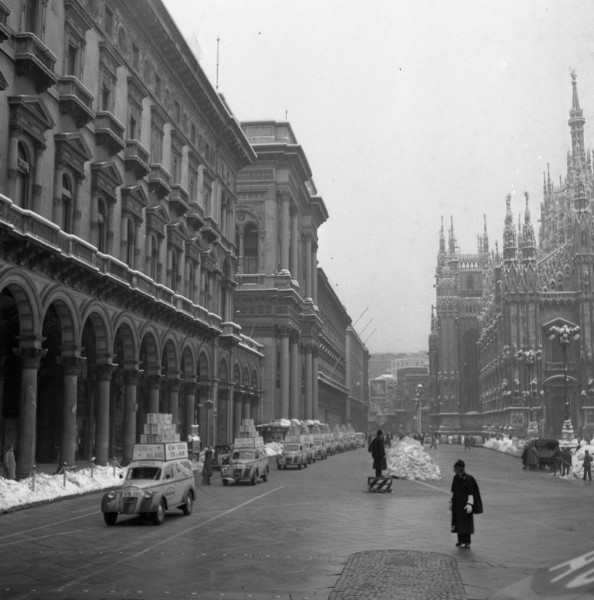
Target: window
(207, 192)
(135, 57)
(193, 134)
(72, 60)
(134, 119)
(191, 279)
(130, 243)
(31, 9)
(154, 258)
(108, 23)
(250, 249)
(174, 269)
(176, 160)
(156, 144)
(193, 184)
(23, 178)
(157, 86)
(102, 226)
(67, 205)
(177, 112)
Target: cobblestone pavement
(399, 575)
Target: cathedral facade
(511, 345)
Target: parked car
(152, 487)
(246, 464)
(221, 455)
(293, 455)
(320, 447)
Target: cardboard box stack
(295, 434)
(248, 435)
(159, 429)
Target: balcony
(195, 216)
(159, 180)
(231, 333)
(136, 159)
(178, 199)
(210, 230)
(34, 60)
(75, 100)
(109, 132)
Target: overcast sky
(406, 111)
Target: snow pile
(504, 445)
(49, 487)
(408, 460)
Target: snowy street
(293, 534)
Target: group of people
(561, 462)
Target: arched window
(250, 249)
(154, 258)
(130, 243)
(23, 177)
(67, 204)
(101, 226)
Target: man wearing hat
(378, 453)
(465, 501)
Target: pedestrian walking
(378, 453)
(556, 460)
(525, 456)
(466, 442)
(565, 461)
(207, 466)
(9, 462)
(465, 502)
(587, 464)
(433, 443)
(533, 459)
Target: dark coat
(207, 464)
(378, 452)
(464, 485)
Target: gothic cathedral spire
(576, 124)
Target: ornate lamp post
(529, 358)
(419, 397)
(564, 335)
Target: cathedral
(511, 332)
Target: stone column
(104, 373)
(314, 275)
(58, 211)
(294, 407)
(294, 244)
(308, 275)
(247, 407)
(214, 412)
(173, 398)
(30, 361)
(237, 411)
(315, 384)
(154, 387)
(284, 375)
(72, 367)
(190, 395)
(308, 381)
(285, 232)
(130, 402)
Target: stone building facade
(520, 323)
(278, 216)
(118, 169)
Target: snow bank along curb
(407, 459)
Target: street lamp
(564, 335)
(419, 396)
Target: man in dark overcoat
(378, 453)
(465, 500)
